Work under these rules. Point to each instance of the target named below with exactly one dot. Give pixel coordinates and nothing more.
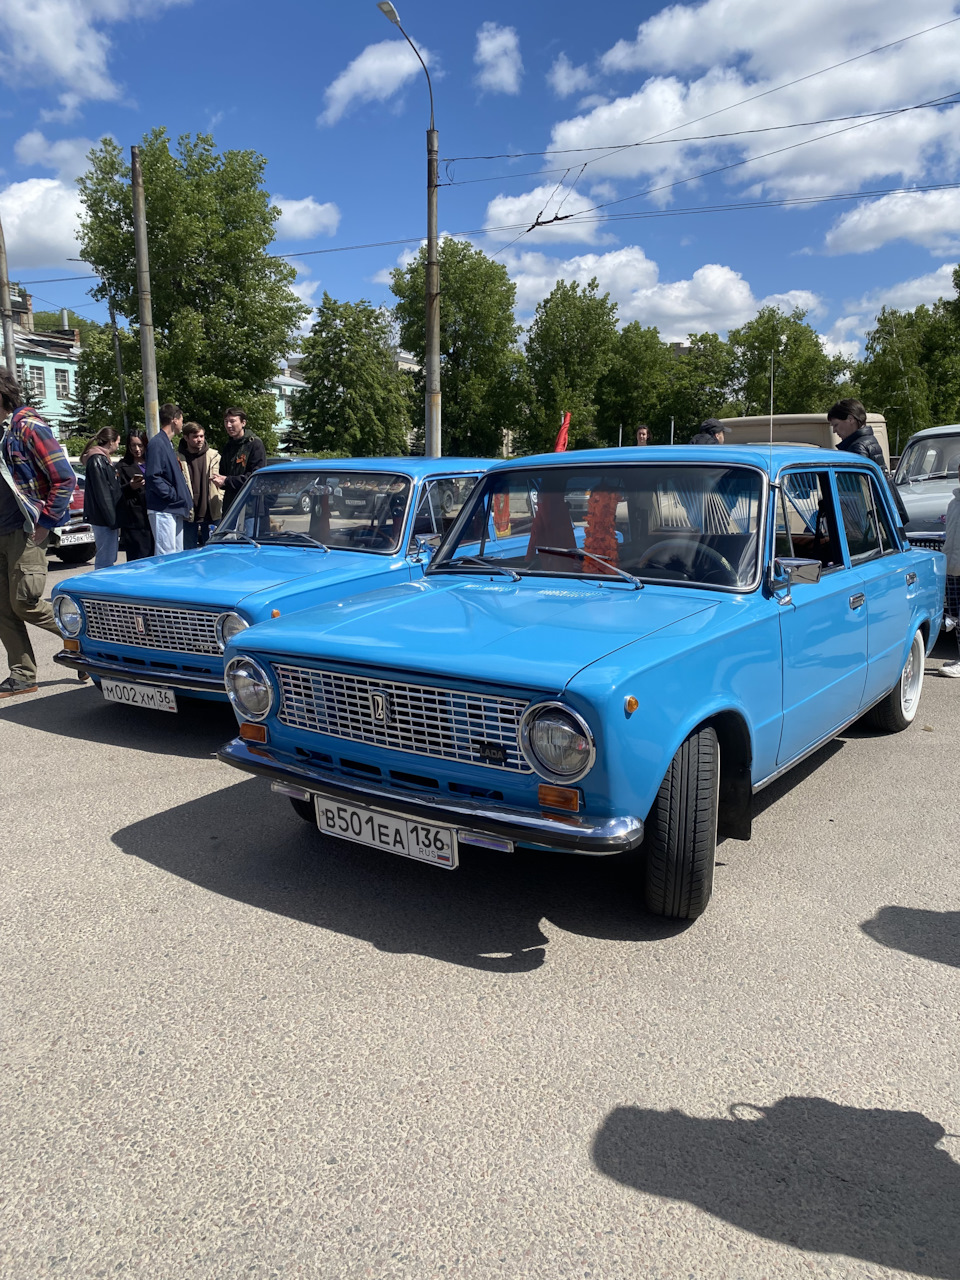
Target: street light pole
(6, 306)
(432, 423)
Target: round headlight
(68, 615)
(227, 626)
(556, 742)
(248, 688)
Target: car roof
(414, 466)
(950, 430)
(768, 457)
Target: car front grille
(151, 627)
(445, 723)
(926, 542)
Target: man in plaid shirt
(36, 482)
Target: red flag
(562, 434)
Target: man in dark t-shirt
(241, 456)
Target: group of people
(161, 497)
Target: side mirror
(792, 571)
(423, 548)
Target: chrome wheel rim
(911, 681)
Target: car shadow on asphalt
(246, 843)
(930, 935)
(795, 776)
(864, 1183)
(81, 714)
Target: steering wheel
(720, 562)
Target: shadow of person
(931, 935)
(82, 714)
(247, 844)
(806, 1172)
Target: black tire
(304, 504)
(304, 809)
(82, 554)
(899, 708)
(680, 841)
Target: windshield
(361, 510)
(930, 459)
(690, 524)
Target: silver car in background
(926, 478)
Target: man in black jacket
(241, 456)
(848, 418)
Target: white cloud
(64, 42)
(707, 58)
(67, 156)
(565, 79)
(375, 75)
(304, 219)
(715, 297)
(498, 57)
(928, 218)
(911, 293)
(40, 223)
(521, 211)
(306, 290)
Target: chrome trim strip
(568, 833)
(115, 670)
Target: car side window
(439, 505)
(859, 515)
(809, 519)
(888, 541)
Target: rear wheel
(303, 809)
(899, 708)
(680, 841)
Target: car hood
(926, 502)
(533, 633)
(224, 577)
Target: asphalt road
(232, 1048)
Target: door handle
(911, 579)
(857, 600)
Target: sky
(695, 145)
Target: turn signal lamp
(559, 798)
(72, 646)
(253, 732)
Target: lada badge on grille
(491, 752)
(140, 624)
(381, 706)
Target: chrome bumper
(141, 675)
(570, 833)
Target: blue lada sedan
(297, 534)
(610, 653)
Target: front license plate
(139, 695)
(68, 539)
(420, 840)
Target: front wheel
(899, 708)
(304, 504)
(680, 841)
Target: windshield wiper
(483, 562)
(300, 537)
(575, 553)
(234, 535)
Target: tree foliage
(805, 378)
(570, 347)
(354, 400)
(636, 387)
(223, 309)
(49, 321)
(481, 371)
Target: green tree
(354, 399)
(805, 378)
(635, 387)
(698, 386)
(481, 369)
(96, 395)
(223, 308)
(570, 347)
(48, 321)
(891, 378)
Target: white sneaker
(951, 669)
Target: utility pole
(119, 360)
(6, 306)
(432, 421)
(151, 396)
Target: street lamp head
(388, 11)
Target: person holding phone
(136, 539)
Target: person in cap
(711, 432)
